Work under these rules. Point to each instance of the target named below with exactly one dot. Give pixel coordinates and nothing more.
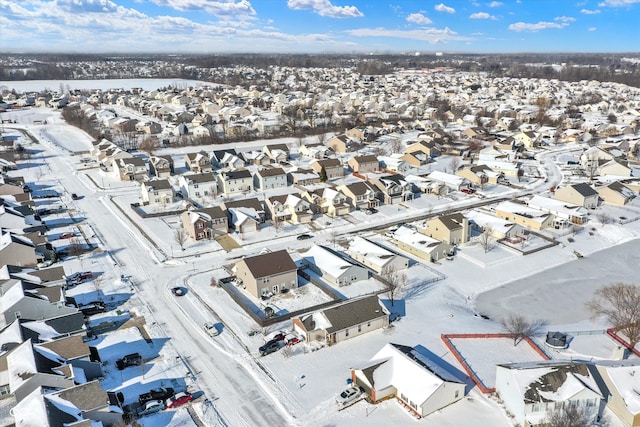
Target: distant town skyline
(318, 26)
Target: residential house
(250, 206)
(205, 223)
(317, 150)
(278, 153)
(267, 274)
(614, 167)
(255, 157)
(621, 380)
(129, 169)
(497, 228)
(360, 195)
(16, 249)
(333, 268)
(329, 201)
(289, 207)
(564, 213)
(303, 177)
(452, 182)
(149, 127)
(421, 245)
(376, 257)
(395, 164)
(531, 391)
(529, 139)
(235, 181)
(450, 228)
(428, 148)
(364, 164)
(343, 144)
(524, 215)
(417, 378)
(581, 194)
(161, 166)
(198, 162)
(269, 178)
(392, 188)
(616, 193)
(332, 169)
(73, 352)
(347, 320)
(244, 220)
(198, 185)
(86, 401)
(480, 175)
(591, 158)
(156, 192)
(28, 370)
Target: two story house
(205, 223)
(198, 162)
(267, 274)
(156, 192)
(269, 178)
(198, 185)
(235, 181)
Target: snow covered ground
(299, 390)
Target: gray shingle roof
(354, 313)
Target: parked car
(370, 211)
(67, 235)
(162, 393)
(152, 407)
(348, 395)
(291, 339)
(210, 329)
(468, 190)
(179, 399)
(278, 337)
(79, 277)
(93, 308)
(133, 359)
(178, 291)
(74, 196)
(304, 236)
(269, 347)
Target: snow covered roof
(327, 261)
(416, 239)
(557, 207)
(626, 381)
(485, 220)
(31, 411)
(522, 210)
(377, 255)
(447, 178)
(22, 365)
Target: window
(368, 324)
(4, 390)
(155, 193)
(200, 235)
(199, 225)
(359, 328)
(457, 394)
(346, 332)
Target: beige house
(333, 268)
(267, 274)
(616, 194)
(329, 201)
(18, 250)
(332, 168)
(156, 192)
(614, 167)
(375, 257)
(360, 195)
(198, 162)
(289, 207)
(161, 166)
(235, 181)
(342, 144)
(452, 228)
(623, 397)
(581, 194)
(347, 320)
(364, 164)
(129, 169)
(421, 245)
(416, 377)
(524, 215)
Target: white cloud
(431, 35)
(418, 18)
(564, 19)
(617, 3)
(523, 26)
(231, 8)
(444, 8)
(325, 8)
(495, 4)
(592, 28)
(482, 15)
(590, 12)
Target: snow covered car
(348, 395)
(210, 329)
(152, 407)
(179, 399)
(291, 339)
(161, 393)
(178, 291)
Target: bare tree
(287, 351)
(619, 303)
(604, 218)
(455, 163)
(519, 327)
(396, 282)
(277, 223)
(149, 145)
(321, 138)
(569, 415)
(75, 247)
(333, 238)
(180, 237)
(395, 146)
(486, 239)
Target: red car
(67, 235)
(468, 190)
(179, 399)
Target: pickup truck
(162, 393)
(132, 359)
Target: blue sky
(317, 26)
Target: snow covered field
(552, 285)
